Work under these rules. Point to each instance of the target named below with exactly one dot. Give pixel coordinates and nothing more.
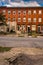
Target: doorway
(39, 29)
(28, 29)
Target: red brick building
(24, 18)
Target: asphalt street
(21, 42)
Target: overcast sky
(21, 2)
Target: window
(24, 12)
(14, 19)
(19, 19)
(40, 19)
(9, 19)
(33, 27)
(29, 19)
(19, 12)
(29, 12)
(34, 19)
(40, 11)
(9, 12)
(34, 11)
(24, 19)
(14, 12)
(4, 11)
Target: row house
(23, 18)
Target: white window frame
(34, 11)
(29, 19)
(14, 12)
(4, 11)
(9, 12)
(19, 19)
(34, 19)
(24, 19)
(40, 20)
(40, 11)
(19, 12)
(29, 12)
(24, 12)
(33, 27)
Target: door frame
(40, 28)
(28, 26)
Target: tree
(2, 19)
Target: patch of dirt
(23, 59)
(22, 56)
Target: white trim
(28, 26)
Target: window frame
(9, 12)
(29, 12)
(24, 19)
(19, 19)
(39, 19)
(34, 19)
(29, 19)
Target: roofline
(21, 7)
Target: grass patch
(3, 49)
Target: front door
(39, 28)
(28, 29)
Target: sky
(15, 3)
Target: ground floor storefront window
(33, 27)
(30, 28)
